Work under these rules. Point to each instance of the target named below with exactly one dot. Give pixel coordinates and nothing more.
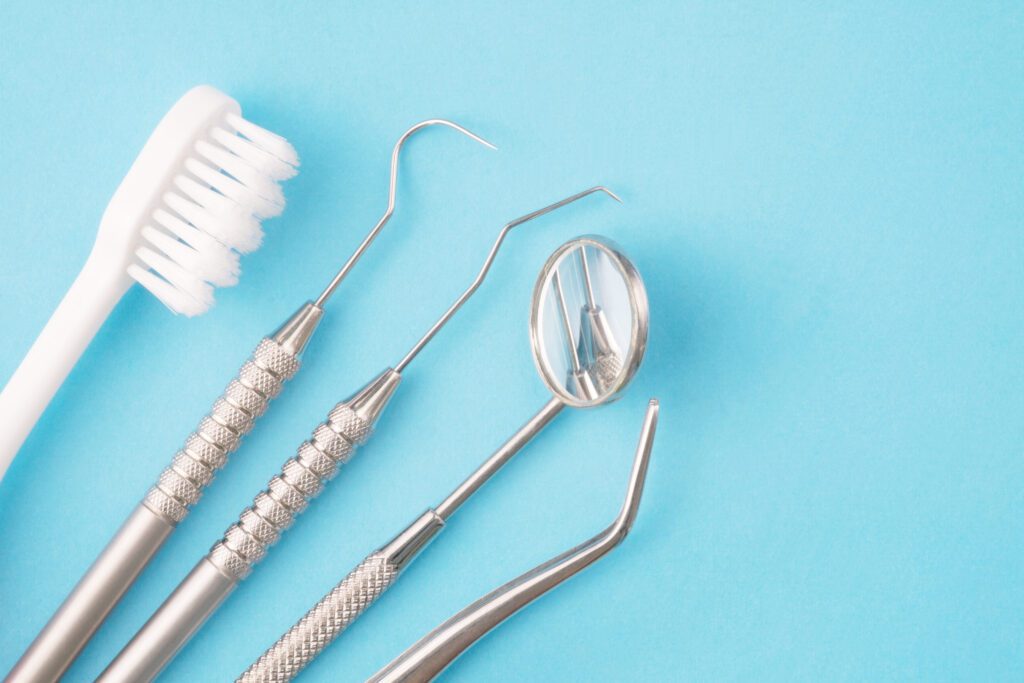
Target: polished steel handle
(301, 479)
(178, 488)
(245, 543)
(324, 622)
(432, 654)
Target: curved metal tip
(638, 475)
(392, 191)
(432, 654)
(442, 122)
(487, 266)
(557, 205)
(608, 192)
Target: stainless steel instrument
(348, 426)
(433, 653)
(550, 331)
(206, 450)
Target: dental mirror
(588, 327)
(588, 323)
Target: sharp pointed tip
(466, 131)
(611, 194)
(483, 141)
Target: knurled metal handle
(607, 368)
(301, 479)
(219, 433)
(324, 622)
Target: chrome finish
(296, 332)
(418, 346)
(392, 188)
(579, 377)
(180, 485)
(587, 280)
(601, 360)
(498, 459)
(401, 550)
(324, 622)
(220, 433)
(192, 602)
(246, 542)
(604, 358)
(89, 603)
(342, 605)
(433, 653)
(178, 488)
(354, 594)
(303, 477)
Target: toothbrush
(190, 204)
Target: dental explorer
(348, 426)
(325, 621)
(233, 415)
(432, 654)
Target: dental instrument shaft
(364, 245)
(579, 377)
(597, 341)
(375, 574)
(349, 425)
(589, 284)
(234, 414)
(563, 310)
(418, 346)
(432, 654)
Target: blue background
(825, 202)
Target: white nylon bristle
(212, 213)
(271, 142)
(265, 162)
(243, 195)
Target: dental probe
(351, 597)
(349, 425)
(206, 450)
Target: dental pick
(348, 426)
(206, 450)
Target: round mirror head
(588, 324)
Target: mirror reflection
(585, 322)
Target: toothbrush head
(193, 201)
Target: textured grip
(324, 622)
(220, 432)
(300, 480)
(606, 370)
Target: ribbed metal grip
(300, 480)
(219, 433)
(324, 622)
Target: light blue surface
(825, 203)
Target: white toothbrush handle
(81, 312)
